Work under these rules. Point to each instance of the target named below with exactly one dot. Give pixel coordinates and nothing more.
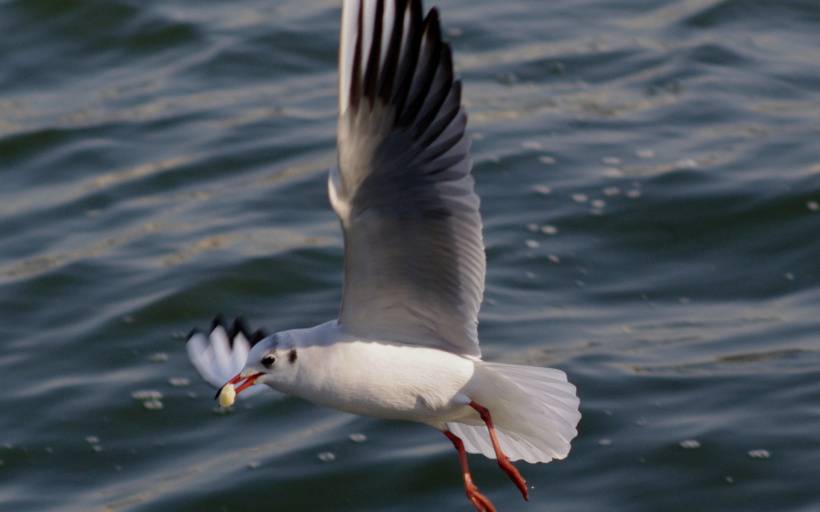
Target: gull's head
(271, 362)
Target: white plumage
(405, 345)
(535, 412)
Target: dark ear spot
(292, 356)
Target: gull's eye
(268, 360)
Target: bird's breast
(383, 380)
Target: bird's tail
(534, 410)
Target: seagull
(405, 344)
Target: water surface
(650, 179)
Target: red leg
(503, 461)
(479, 501)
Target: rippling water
(650, 177)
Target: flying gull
(405, 345)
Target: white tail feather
(534, 410)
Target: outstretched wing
(414, 255)
(222, 353)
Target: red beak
(246, 382)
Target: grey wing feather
(414, 255)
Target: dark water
(650, 175)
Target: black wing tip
(356, 86)
(417, 75)
(232, 330)
(371, 75)
(257, 336)
(431, 28)
(447, 58)
(193, 332)
(218, 321)
(367, 82)
(433, 18)
(416, 9)
(238, 327)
